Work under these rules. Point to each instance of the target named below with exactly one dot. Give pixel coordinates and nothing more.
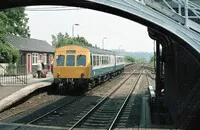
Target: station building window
(34, 58)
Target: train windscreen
(70, 60)
(81, 60)
(60, 60)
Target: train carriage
(83, 67)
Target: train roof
(94, 50)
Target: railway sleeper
(47, 120)
(85, 124)
(103, 113)
(123, 118)
(121, 123)
(44, 124)
(106, 110)
(97, 118)
(50, 118)
(97, 121)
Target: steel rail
(125, 101)
(100, 102)
(40, 117)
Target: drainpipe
(157, 69)
(158, 81)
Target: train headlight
(58, 75)
(82, 75)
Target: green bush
(10, 70)
(8, 54)
(129, 59)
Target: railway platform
(11, 93)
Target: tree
(64, 39)
(59, 39)
(152, 59)
(17, 22)
(129, 59)
(54, 41)
(12, 21)
(8, 54)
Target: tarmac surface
(11, 93)
(8, 89)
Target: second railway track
(105, 113)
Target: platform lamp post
(73, 29)
(103, 42)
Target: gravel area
(35, 100)
(131, 67)
(151, 80)
(150, 76)
(106, 87)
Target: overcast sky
(93, 25)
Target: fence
(13, 74)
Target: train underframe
(81, 85)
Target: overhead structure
(173, 24)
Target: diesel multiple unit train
(77, 68)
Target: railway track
(46, 118)
(107, 111)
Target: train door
(91, 65)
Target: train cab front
(71, 68)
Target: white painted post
(179, 9)
(186, 13)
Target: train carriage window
(121, 59)
(100, 63)
(102, 58)
(106, 60)
(94, 60)
(60, 60)
(117, 60)
(97, 60)
(81, 60)
(70, 60)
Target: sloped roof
(29, 44)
